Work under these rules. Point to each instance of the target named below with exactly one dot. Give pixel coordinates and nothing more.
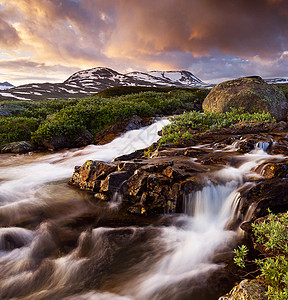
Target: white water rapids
(46, 254)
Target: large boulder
(251, 93)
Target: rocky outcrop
(246, 290)
(157, 184)
(251, 93)
(150, 187)
(18, 147)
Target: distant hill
(6, 86)
(89, 82)
(277, 80)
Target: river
(60, 243)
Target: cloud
(239, 27)
(212, 37)
(9, 37)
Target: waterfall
(59, 256)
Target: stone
(84, 139)
(101, 196)
(246, 290)
(131, 156)
(17, 147)
(269, 193)
(137, 183)
(273, 169)
(88, 176)
(172, 173)
(114, 181)
(251, 93)
(57, 142)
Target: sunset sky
(48, 40)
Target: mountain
(277, 80)
(6, 86)
(89, 82)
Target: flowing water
(54, 243)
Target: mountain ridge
(89, 82)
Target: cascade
(49, 261)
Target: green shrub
(272, 234)
(14, 129)
(191, 121)
(71, 117)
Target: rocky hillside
(89, 82)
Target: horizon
(48, 41)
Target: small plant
(272, 234)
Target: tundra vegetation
(40, 121)
(271, 234)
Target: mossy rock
(251, 93)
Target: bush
(272, 234)
(70, 118)
(14, 129)
(182, 125)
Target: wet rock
(246, 290)
(172, 173)
(114, 181)
(273, 169)
(157, 167)
(88, 176)
(18, 147)
(138, 209)
(131, 156)
(101, 196)
(137, 183)
(278, 148)
(269, 193)
(130, 166)
(251, 93)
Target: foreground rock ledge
(157, 185)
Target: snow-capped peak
(6, 86)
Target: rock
(251, 93)
(84, 139)
(17, 147)
(137, 183)
(114, 181)
(101, 196)
(269, 193)
(278, 148)
(88, 176)
(57, 142)
(246, 290)
(138, 209)
(172, 173)
(133, 155)
(273, 169)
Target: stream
(57, 242)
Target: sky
(49, 40)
